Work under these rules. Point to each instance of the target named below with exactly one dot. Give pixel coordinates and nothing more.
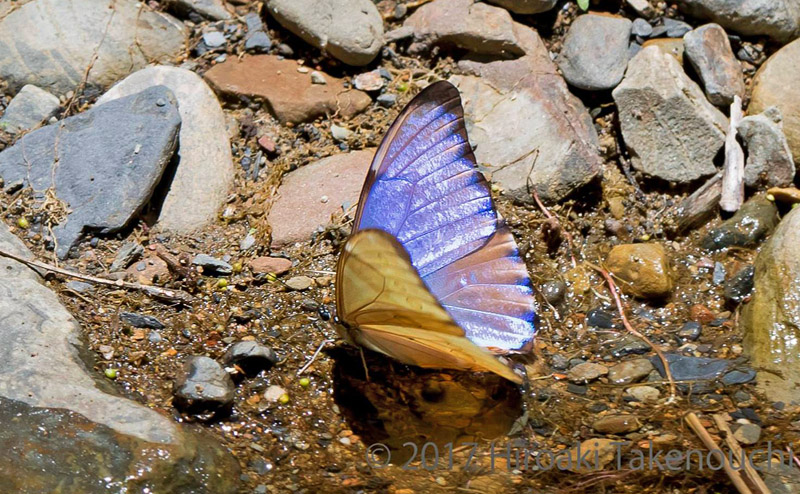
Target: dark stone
(129, 253)
(257, 41)
(690, 331)
(755, 220)
(630, 345)
(718, 276)
(559, 362)
(554, 291)
(599, 318)
(387, 100)
(685, 368)
(577, 389)
(109, 161)
(740, 285)
(676, 29)
(252, 357)
(212, 265)
(56, 450)
(140, 320)
(203, 386)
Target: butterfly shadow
(402, 404)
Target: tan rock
(643, 269)
(318, 190)
(289, 95)
(777, 83)
(621, 423)
(670, 46)
(266, 264)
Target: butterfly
(431, 276)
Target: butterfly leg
(364, 362)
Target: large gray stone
(204, 175)
(51, 43)
(710, 53)
(595, 51)
(525, 6)
(526, 125)
(104, 163)
(476, 27)
(94, 438)
(769, 159)
(210, 9)
(671, 130)
(771, 321)
(30, 107)
(350, 30)
(779, 19)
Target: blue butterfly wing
(424, 188)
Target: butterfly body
(431, 276)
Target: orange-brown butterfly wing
(386, 305)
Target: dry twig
(702, 433)
(153, 291)
(749, 471)
(615, 293)
(733, 169)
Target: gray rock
(641, 27)
(675, 28)
(630, 371)
(779, 19)
(671, 130)
(205, 170)
(690, 331)
(629, 345)
(140, 320)
(595, 51)
(586, 372)
(109, 161)
(94, 438)
(253, 22)
(551, 127)
(257, 41)
(386, 100)
(247, 242)
(252, 357)
(477, 27)
(214, 39)
(755, 220)
(687, 369)
(770, 320)
(710, 53)
(526, 6)
(129, 253)
(210, 9)
(340, 133)
(79, 286)
(368, 81)
(644, 394)
(402, 32)
(50, 43)
(747, 434)
(212, 265)
(769, 159)
(317, 77)
(203, 387)
(642, 7)
(350, 30)
(30, 107)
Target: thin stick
(615, 293)
(154, 291)
(748, 469)
(702, 433)
(733, 169)
(314, 357)
(550, 216)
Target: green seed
(305, 382)
(402, 87)
(283, 399)
(222, 283)
(795, 205)
(645, 237)
(237, 267)
(111, 373)
(770, 197)
(23, 223)
(272, 277)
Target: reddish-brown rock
(289, 95)
(274, 265)
(311, 194)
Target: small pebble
(690, 331)
(214, 39)
(641, 28)
(318, 78)
(387, 100)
